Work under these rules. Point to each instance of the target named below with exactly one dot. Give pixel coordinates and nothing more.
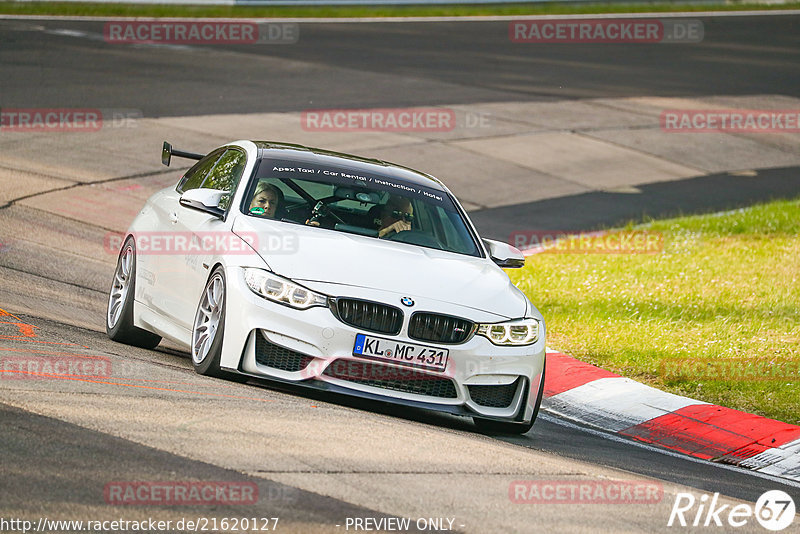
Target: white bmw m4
(335, 272)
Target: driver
(395, 216)
(391, 218)
(267, 200)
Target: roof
(318, 156)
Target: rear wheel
(119, 316)
(491, 426)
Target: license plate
(378, 348)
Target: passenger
(267, 200)
(395, 216)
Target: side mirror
(207, 200)
(504, 255)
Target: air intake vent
(394, 378)
(494, 396)
(367, 315)
(279, 357)
(439, 328)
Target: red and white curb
(595, 397)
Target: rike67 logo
(774, 510)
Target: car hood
(317, 255)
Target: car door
(157, 257)
(200, 236)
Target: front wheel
(209, 326)
(119, 316)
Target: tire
(209, 327)
(119, 314)
(491, 426)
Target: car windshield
(352, 201)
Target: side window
(195, 176)
(225, 175)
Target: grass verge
(511, 9)
(714, 316)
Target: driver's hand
(399, 226)
(309, 222)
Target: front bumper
(313, 348)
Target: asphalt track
(367, 65)
(318, 459)
(389, 64)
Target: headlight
(517, 332)
(279, 289)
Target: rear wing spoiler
(167, 152)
